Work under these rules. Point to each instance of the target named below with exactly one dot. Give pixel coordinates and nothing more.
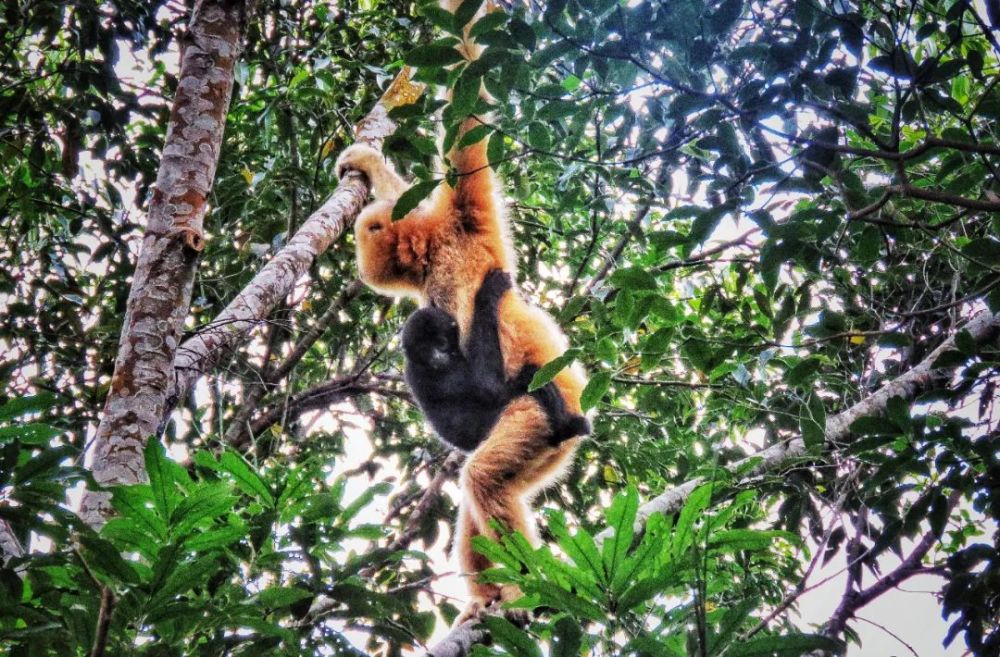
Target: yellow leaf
(857, 339)
(307, 304)
(325, 151)
(247, 175)
(610, 476)
(276, 430)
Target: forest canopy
(769, 230)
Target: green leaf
(789, 645)
(557, 109)
(538, 136)
(363, 500)
(596, 387)
(205, 501)
(105, 561)
(465, 96)
(412, 197)
(161, 480)
(581, 547)
(433, 56)
(634, 278)
(567, 638)
(474, 136)
(549, 371)
(274, 597)
(984, 249)
(803, 372)
(812, 423)
(495, 148)
(465, 12)
(621, 519)
(185, 576)
(132, 503)
(247, 480)
(28, 404)
(515, 641)
(487, 23)
(214, 538)
(31, 433)
(897, 410)
(693, 508)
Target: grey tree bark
(161, 287)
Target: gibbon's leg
(498, 481)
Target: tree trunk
(161, 287)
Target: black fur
(463, 395)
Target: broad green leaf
(28, 404)
(580, 547)
(465, 12)
(161, 479)
(133, 503)
(684, 534)
(595, 389)
(567, 638)
(363, 500)
(412, 197)
(282, 596)
(487, 23)
(515, 641)
(432, 55)
(204, 502)
(621, 519)
(105, 561)
(549, 371)
(812, 423)
(246, 479)
(31, 433)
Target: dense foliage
(747, 216)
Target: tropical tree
(769, 230)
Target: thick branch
(164, 275)
(276, 280)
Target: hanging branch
(164, 275)
(278, 277)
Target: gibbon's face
(430, 337)
(376, 238)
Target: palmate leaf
(621, 519)
(246, 479)
(580, 547)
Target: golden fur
(439, 254)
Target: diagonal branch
(201, 353)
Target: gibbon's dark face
(430, 338)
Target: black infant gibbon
(462, 395)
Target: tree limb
(160, 294)
(278, 277)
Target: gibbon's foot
(473, 611)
